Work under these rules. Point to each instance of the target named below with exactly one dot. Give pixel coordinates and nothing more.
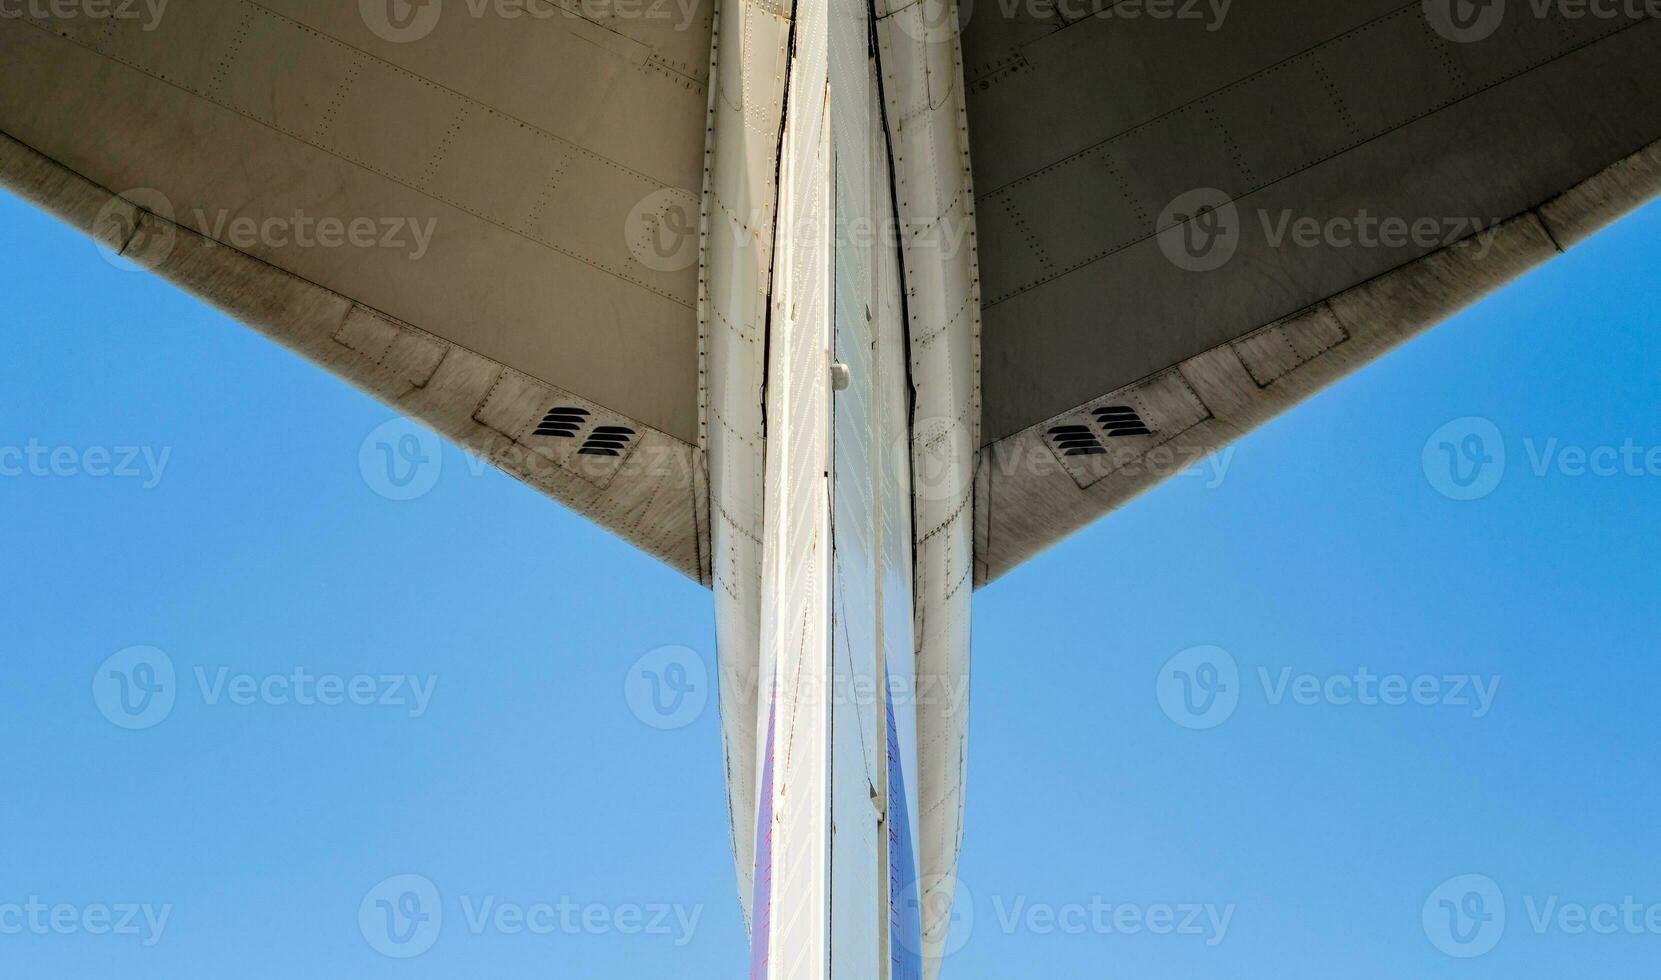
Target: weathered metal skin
(920, 56)
(904, 319)
(749, 67)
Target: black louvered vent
(1121, 420)
(1076, 440)
(562, 423)
(607, 440)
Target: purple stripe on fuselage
(905, 914)
(761, 905)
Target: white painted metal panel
(871, 531)
(796, 553)
(922, 70)
(752, 44)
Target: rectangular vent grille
(1120, 420)
(607, 440)
(1075, 440)
(562, 423)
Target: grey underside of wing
(1515, 146)
(520, 145)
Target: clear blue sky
(1323, 833)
